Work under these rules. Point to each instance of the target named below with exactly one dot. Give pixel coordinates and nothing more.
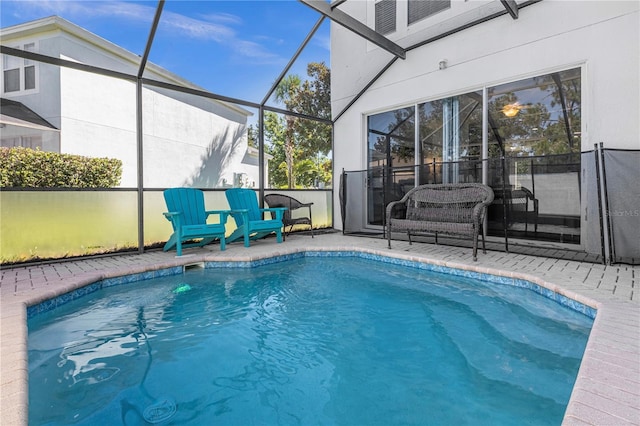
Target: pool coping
(573, 301)
(607, 389)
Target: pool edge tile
(575, 281)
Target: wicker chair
(454, 209)
(522, 206)
(280, 200)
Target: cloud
(217, 28)
(222, 18)
(181, 25)
(73, 10)
(254, 50)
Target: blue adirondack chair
(250, 218)
(189, 220)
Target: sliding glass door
(534, 157)
(532, 153)
(391, 158)
(450, 139)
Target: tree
(313, 98)
(252, 136)
(535, 131)
(300, 146)
(285, 92)
(274, 133)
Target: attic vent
(386, 16)
(420, 9)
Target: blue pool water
(331, 341)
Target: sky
(234, 48)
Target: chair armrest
(293, 207)
(307, 205)
(243, 212)
(400, 205)
(278, 210)
(174, 218)
(224, 214)
(478, 213)
(480, 209)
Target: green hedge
(29, 168)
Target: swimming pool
(313, 340)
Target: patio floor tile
(607, 388)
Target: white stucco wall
(601, 37)
(188, 140)
(95, 123)
(248, 167)
(185, 145)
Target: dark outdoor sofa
(452, 209)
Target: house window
(385, 16)
(11, 74)
(450, 139)
(536, 117)
(33, 142)
(420, 9)
(391, 156)
(530, 154)
(18, 73)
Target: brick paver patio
(607, 390)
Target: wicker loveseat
(453, 209)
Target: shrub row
(29, 168)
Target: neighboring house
(20, 126)
(517, 102)
(187, 140)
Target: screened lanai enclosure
(260, 119)
(106, 104)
